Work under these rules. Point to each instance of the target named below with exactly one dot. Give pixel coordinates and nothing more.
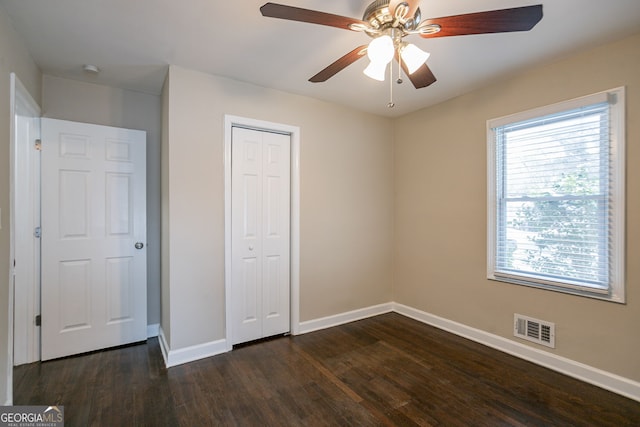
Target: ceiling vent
(534, 330)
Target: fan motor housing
(377, 14)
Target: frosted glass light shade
(376, 70)
(413, 57)
(381, 50)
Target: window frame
(616, 288)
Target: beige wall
(13, 58)
(346, 201)
(91, 103)
(440, 216)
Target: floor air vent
(534, 330)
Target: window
(556, 197)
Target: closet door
(260, 212)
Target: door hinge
(38, 320)
(38, 144)
(37, 232)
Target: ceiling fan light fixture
(387, 22)
(413, 57)
(381, 50)
(376, 71)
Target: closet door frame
(231, 121)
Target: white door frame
(25, 212)
(21, 102)
(294, 133)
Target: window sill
(603, 296)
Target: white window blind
(554, 197)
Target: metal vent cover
(534, 330)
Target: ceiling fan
(388, 22)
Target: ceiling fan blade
(420, 78)
(493, 21)
(340, 64)
(413, 6)
(274, 10)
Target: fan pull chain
(391, 104)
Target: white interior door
(93, 235)
(260, 243)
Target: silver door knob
(250, 247)
(139, 245)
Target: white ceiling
(133, 41)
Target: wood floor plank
(388, 370)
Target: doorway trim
(21, 102)
(294, 133)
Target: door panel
(260, 234)
(118, 197)
(271, 285)
(249, 287)
(276, 237)
(93, 213)
(120, 286)
(75, 187)
(246, 234)
(75, 294)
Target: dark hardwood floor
(388, 370)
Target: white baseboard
(164, 347)
(342, 318)
(153, 330)
(580, 371)
(190, 354)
